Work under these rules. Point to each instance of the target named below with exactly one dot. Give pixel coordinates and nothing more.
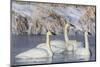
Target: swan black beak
(53, 33)
(89, 33)
(72, 25)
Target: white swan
(59, 46)
(37, 53)
(71, 45)
(84, 53)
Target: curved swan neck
(47, 40)
(86, 40)
(65, 33)
(48, 43)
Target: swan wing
(82, 52)
(58, 43)
(40, 45)
(33, 53)
(75, 44)
(57, 46)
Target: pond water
(23, 43)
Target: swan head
(49, 33)
(69, 25)
(87, 33)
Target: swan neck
(48, 43)
(86, 40)
(66, 34)
(47, 40)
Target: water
(23, 43)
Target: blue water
(23, 43)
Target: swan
(84, 53)
(37, 53)
(71, 45)
(59, 46)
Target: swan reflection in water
(72, 57)
(35, 60)
(56, 58)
